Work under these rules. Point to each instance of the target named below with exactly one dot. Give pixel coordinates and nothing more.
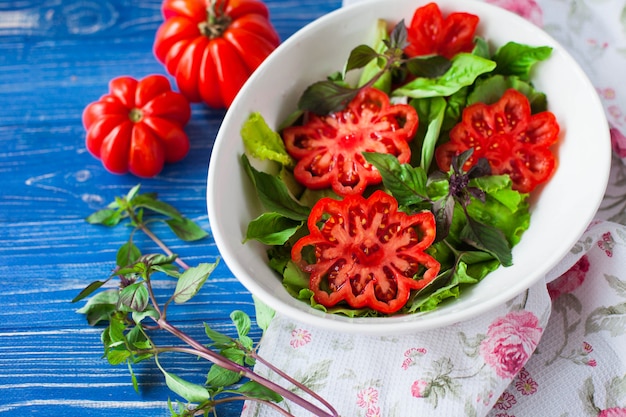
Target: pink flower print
(510, 341)
(299, 338)
(420, 388)
(570, 280)
(486, 399)
(607, 93)
(528, 9)
(592, 363)
(526, 386)
(406, 364)
(414, 352)
(613, 412)
(373, 411)
(367, 397)
(618, 142)
(410, 355)
(607, 243)
(505, 402)
(587, 347)
(523, 374)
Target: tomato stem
(135, 115)
(217, 21)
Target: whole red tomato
(138, 126)
(211, 47)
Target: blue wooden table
(56, 56)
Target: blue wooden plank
(56, 56)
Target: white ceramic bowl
(560, 214)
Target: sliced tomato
(367, 253)
(431, 33)
(329, 149)
(514, 141)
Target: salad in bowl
(408, 170)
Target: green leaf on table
(106, 217)
(150, 202)
(88, 290)
(241, 321)
(274, 194)
(218, 339)
(221, 377)
(134, 296)
(255, 390)
(190, 281)
(188, 390)
(100, 307)
(263, 313)
(272, 229)
(127, 254)
(186, 229)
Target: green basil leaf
(190, 281)
(134, 296)
(189, 391)
(255, 390)
(405, 182)
(127, 254)
(518, 59)
(241, 321)
(463, 72)
(489, 239)
(150, 202)
(106, 217)
(221, 377)
(489, 90)
(186, 229)
(325, 97)
(274, 194)
(272, 229)
(431, 113)
(428, 66)
(360, 56)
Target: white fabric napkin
(558, 349)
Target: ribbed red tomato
(212, 47)
(138, 126)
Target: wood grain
(56, 56)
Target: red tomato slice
(329, 149)
(367, 253)
(431, 33)
(514, 141)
